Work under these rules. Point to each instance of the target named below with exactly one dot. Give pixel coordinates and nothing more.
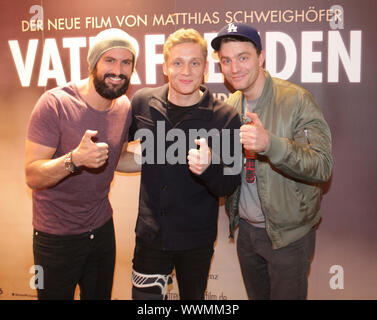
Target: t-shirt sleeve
(44, 126)
(132, 129)
(126, 137)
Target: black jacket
(178, 210)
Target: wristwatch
(69, 165)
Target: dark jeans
(191, 267)
(274, 274)
(87, 260)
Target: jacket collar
(266, 95)
(204, 111)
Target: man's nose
(116, 69)
(234, 66)
(186, 69)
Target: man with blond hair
(178, 208)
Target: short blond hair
(184, 36)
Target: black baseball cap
(237, 30)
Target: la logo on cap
(232, 28)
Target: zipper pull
(307, 136)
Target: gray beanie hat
(110, 39)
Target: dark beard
(105, 91)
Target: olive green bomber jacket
(297, 159)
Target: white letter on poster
(74, 45)
(272, 38)
(351, 62)
(151, 57)
(24, 70)
(51, 53)
(308, 56)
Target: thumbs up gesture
(89, 153)
(199, 159)
(253, 135)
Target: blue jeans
(191, 267)
(87, 260)
(274, 274)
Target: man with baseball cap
(75, 137)
(287, 155)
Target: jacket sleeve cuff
(213, 170)
(276, 149)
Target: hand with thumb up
(253, 136)
(89, 153)
(199, 159)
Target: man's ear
(165, 69)
(206, 68)
(262, 58)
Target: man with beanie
(287, 155)
(75, 137)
